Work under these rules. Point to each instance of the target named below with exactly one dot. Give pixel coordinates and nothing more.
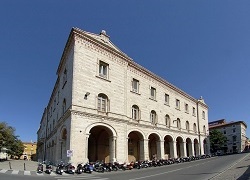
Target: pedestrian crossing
(64, 176)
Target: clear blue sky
(202, 47)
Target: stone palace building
(105, 106)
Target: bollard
(24, 167)
(10, 165)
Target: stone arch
(154, 145)
(101, 142)
(135, 148)
(63, 142)
(196, 147)
(137, 130)
(189, 147)
(206, 146)
(180, 146)
(168, 147)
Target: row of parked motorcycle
(99, 166)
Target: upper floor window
(152, 93)
(135, 85)
(178, 123)
(194, 111)
(103, 69)
(177, 106)
(167, 119)
(204, 129)
(203, 114)
(102, 102)
(135, 112)
(187, 125)
(153, 117)
(195, 128)
(65, 74)
(166, 99)
(186, 108)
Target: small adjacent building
(235, 131)
(29, 152)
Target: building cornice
(82, 34)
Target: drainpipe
(198, 124)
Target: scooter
(69, 168)
(88, 168)
(48, 168)
(79, 168)
(60, 168)
(40, 168)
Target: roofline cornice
(80, 33)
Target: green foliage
(217, 140)
(9, 140)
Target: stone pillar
(174, 149)
(192, 149)
(160, 149)
(171, 150)
(144, 149)
(202, 148)
(184, 150)
(112, 149)
(86, 159)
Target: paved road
(240, 170)
(230, 167)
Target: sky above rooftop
(202, 47)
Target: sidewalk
(239, 171)
(20, 165)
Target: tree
(217, 140)
(9, 140)
(17, 148)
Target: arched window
(195, 128)
(102, 102)
(178, 123)
(153, 117)
(135, 112)
(167, 119)
(187, 125)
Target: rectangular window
(152, 93)
(178, 104)
(166, 99)
(103, 69)
(135, 85)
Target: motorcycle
(88, 168)
(40, 168)
(79, 168)
(48, 168)
(60, 168)
(69, 168)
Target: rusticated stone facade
(105, 106)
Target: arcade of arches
(102, 145)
